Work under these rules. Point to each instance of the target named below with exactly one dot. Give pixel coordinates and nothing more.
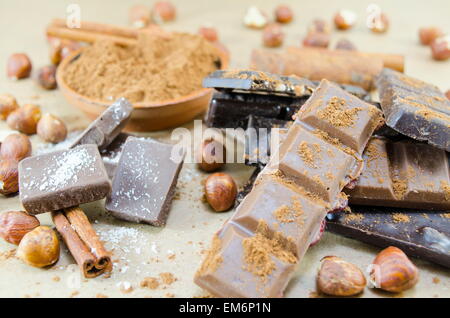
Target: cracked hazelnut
(8, 104)
(220, 191)
(16, 147)
(25, 119)
(19, 66)
(345, 19)
(392, 271)
(337, 277)
(317, 39)
(283, 14)
(211, 155)
(255, 18)
(47, 77)
(15, 224)
(319, 25)
(379, 23)
(440, 48)
(164, 11)
(140, 16)
(344, 44)
(208, 33)
(39, 248)
(9, 176)
(273, 35)
(428, 35)
(51, 128)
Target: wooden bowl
(146, 116)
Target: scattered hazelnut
(317, 39)
(393, 271)
(440, 48)
(9, 176)
(344, 44)
(340, 278)
(51, 128)
(283, 14)
(255, 18)
(220, 191)
(273, 35)
(39, 248)
(164, 11)
(19, 66)
(60, 49)
(208, 33)
(378, 23)
(447, 93)
(428, 35)
(211, 155)
(15, 224)
(16, 147)
(345, 19)
(47, 77)
(139, 16)
(25, 119)
(319, 25)
(8, 104)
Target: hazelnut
(345, 19)
(378, 23)
(139, 16)
(283, 14)
(39, 248)
(164, 11)
(19, 66)
(25, 119)
(393, 271)
(60, 49)
(16, 147)
(47, 77)
(344, 44)
(8, 104)
(337, 277)
(447, 93)
(9, 176)
(317, 39)
(51, 128)
(272, 35)
(15, 224)
(208, 33)
(440, 48)
(211, 155)
(319, 25)
(428, 35)
(255, 18)
(220, 191)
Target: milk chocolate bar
(257, 250)
(111, 154)
(107, 126)
(259, 82)
(403, 174)
(62, 179)
(417, 233)
(144, 183)
(414, 108)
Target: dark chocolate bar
(107, 126)
(144, 182)
(62, 179)
(247, 186)
(257, 250)
(417, 233)
(111, 154)
(414, 108)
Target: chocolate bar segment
(417, 233)
(111, 154)
(62, 179)
(144, 182)
(283, 212)
(415, 109)
(107, 126)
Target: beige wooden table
(145, 251)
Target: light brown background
(144, 250)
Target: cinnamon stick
(101, 28)
(82, 241)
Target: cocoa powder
(161, 67)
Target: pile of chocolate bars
(333, 146)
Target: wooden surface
(145, 251)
